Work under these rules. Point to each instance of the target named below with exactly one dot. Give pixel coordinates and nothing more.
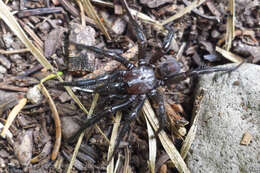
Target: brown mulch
(30, 144)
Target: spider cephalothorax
(137, 83)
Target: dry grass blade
(126, 168)
(76, 149)
(12, 115)
(82, 14)
(118, 163)
(110, 166)
(135, 13)
(55, 114)
(56, 118)
(152, 147)
(10, 20)
(189, 138)
(228, 55)
(187, 9)
(166, 142)
(91, 12)
(230, 31)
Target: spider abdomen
(140, 80)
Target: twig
(37, 40)
(187, 9)
(9, 52)
(200, 14)
(39, 11)
(30, 71)
(4, 86)
(74, 12)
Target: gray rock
(229, 107)
(83, 35)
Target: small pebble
(2, 163)
(64, 97)
(215, 34)
(68, 127)
(23, 148)
(247, 137)
(34, 95)
(5, 62)
(2, 69)
(119, 26)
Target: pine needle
(230, 30)
(91, 12)
(165, 141)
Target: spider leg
(196, 72)
(107, 53)
(111, 97)
(141, 38)
(165, 45)
(168, 39)
(95, 118)
(99, 79)
(126, 124)
(157, 97)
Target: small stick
(31, 71)
(196, 11)
(12, 88)
(8, 52)
(39, 11)
(74, 12)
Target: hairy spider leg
(157, 98)
(95, 118)
(165, 45)
(184, 75)
(126, 124)
(141, 38)
(106, 53)
(99, 79)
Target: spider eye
(168, 68)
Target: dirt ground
(33, 136)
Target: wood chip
(246, 139)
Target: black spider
(137, 83)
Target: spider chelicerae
(135, 84)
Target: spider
(135, 84)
